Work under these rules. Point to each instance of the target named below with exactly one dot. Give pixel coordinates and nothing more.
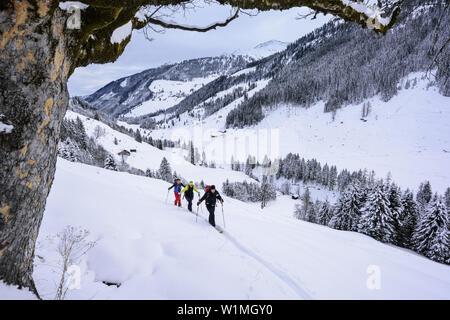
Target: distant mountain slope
(339, 64)
(264, 49)
(406, 136)
(121, 96)
(342, 64)
(161, 88)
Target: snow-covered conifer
(110, 163)
(165, 171)
(431, 236)
(324, 213)
(347, 211)
(377, 218)
(424, 195)
(397, 209)
(410, 219)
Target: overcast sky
(173, 45)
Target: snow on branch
(65, 5)
(372, 11)
(122, 33)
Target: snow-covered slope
(167, 93)
(406, 136)
(149, 157)
(264, 49)
(162, 87)
(156, 251)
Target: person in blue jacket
(177, 187)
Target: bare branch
(168, 25)
(307, 15)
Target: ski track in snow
(277, 272)
(267, 265)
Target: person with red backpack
(177, 187)
(211, 196)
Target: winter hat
(213, 187)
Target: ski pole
(223, 217)
(167, 197)
(196, 217)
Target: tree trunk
(34, 67)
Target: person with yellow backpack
(189, 193)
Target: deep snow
(157, 251)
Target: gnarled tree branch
(102, 17)
(139, 24)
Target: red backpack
(207, 188)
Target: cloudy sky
(173, 45)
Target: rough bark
(33, 98)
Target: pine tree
(311, 213)
(80, 134)
(424, 195)
(302, 210)
(110, 164)
(248, 166)
(138, 136)
(431, 237)
(165, 171)
(192, 153)
(377, 219)
(411, 217)
(324, 213)
(447, 198)
(332, 180)
(325, 175)
(69, 151)
(149, 173)
(397, 209)
(267, 192)
(347, 211)
(439, 250)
